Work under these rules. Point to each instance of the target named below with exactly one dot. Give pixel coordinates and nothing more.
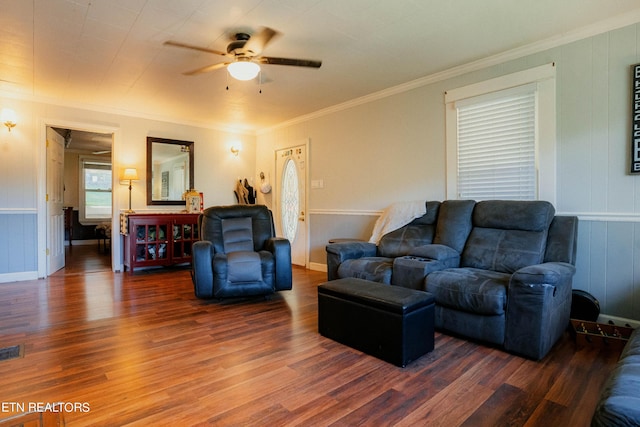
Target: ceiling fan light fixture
(243, 70)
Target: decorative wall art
(635, 121)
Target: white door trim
(276, 190)
(41, 163)
(55, 214)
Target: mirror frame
(150, 141)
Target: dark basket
(584, 306)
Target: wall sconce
(8, 117)
(235, 151)
(129, 174)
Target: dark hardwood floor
(141, 350)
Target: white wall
(23, 174)
(393, 149)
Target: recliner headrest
(526, 215)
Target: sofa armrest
(538, 308)
(337, 253)
(202, 269)
(410, 271)
(619, 403)
(281, 250)
(448, 257)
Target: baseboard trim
(316, 266)
(618, 321)
(18, 277)
(85, 242)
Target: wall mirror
(169, 170)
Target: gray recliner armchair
(238, 254)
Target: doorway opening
(79, 199)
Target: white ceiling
(109, 54)
(81, 142)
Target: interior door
(291, 171)
(55, 191)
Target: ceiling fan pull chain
(260, 82)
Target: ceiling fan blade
(257, 42)
(206, 69)
(189, 46)
(288, 61)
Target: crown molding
(597, 28)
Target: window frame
(82, 217)
(545, 145)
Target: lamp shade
(129, 174)
(8, 118)
(243, 70)
(8, 115)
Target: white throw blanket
(395, 216)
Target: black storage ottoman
(392, 323)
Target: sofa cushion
(507, 235)
(470, 290)
(375, 269)
(454, 223)
(505, 251)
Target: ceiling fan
(244, 53)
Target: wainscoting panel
(18, 254)
(608, 265)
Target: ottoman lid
(386, 297)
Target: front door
(55, 191)
(291, 170)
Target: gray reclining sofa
(500, 271)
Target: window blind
(496, 145)
(95, 191)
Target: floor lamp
(129, 174)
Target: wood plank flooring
(142, 350)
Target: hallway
(80, 259)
